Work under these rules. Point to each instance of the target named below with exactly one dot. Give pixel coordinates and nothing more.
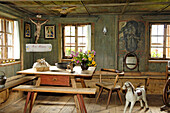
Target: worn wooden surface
(65, 104)
(17, 82)
(56, 71)
(52, 89)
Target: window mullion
(13, 41)
(164, 45)
(5, 40)
(76, 37)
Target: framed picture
(27, 30)
(49, 31)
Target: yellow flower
(92, 55)
(89, 51)
(72, 60)
(95, 65)
(93, 62)
(90, 59)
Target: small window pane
(157, 39)
(82, 41)
(80, 31)
(156, 52)
(167, 41)
(3, 53)
(9, 26)
(168, 30)
(1, 25)
(167, 52)
(9, 39)
(67, 31)
(72, 49)
(2, 40)
(67, 51)
(10, 53)
(72, 30)
(67, 41)
(72, 41)
(157, 30)
(0, 52)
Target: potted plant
(85, 59)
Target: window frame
(76, 36)
(164, 41)
(4, 55)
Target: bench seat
(53, 89)
(16, 82)
(31, 89)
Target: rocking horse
(133, 95)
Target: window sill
(158, 61)
(7, 64)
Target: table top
(56, 71)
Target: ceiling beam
(96, 5)
(160, 10)
(42, 5)
(11, 11)
(39, 0)
(125, 6)
(85, 7)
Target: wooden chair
(111, 87)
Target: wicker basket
(42, 68)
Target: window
(160, 41)
(7, 33)
(76, 37)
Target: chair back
(116, 80)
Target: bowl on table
(62, 65)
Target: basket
(42, 68)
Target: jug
(2, 79)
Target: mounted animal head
(128, 85)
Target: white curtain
(16, 41)
(89, 37)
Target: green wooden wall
(106, 46)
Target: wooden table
(58, 76)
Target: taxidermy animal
(133, 95)
(41, 63)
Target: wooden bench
(67, 90)
(7, 97)
(15, 81)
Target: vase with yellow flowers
(85, 59)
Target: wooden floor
(62, 103)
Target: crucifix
(38, 28)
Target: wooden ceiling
(87, 7)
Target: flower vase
(84, 66)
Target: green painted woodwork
(106, 46)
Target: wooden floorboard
(62, 103)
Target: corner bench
(67, 90)
(17, 80)
(6, 96)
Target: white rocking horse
(133, 95)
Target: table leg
(73, 82)
(35, 94)
(81, 96)
(83, 83)
(80, 103)
(31, 105)
(27, 100)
